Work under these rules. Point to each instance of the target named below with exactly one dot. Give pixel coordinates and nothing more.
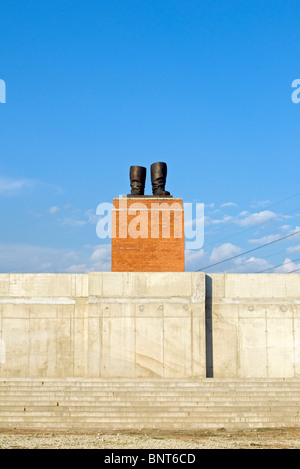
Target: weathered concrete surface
(163, 324)
(102, 325)
(255, 325)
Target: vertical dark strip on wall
(208, 327)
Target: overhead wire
(265, 257)
(250, 250)
(279, 265)
(259, 224)
(252, 227)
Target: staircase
(177, 404)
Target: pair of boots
(158, 179)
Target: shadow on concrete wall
(208, 327)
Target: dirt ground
(275, 438)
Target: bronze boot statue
(137, 176)
(158, 179)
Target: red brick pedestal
(147, 234)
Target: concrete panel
(95, 280)
(263, 341)
(113, 284)
(64, 348)
(176, 310)
(255, 286)
(4, 285)
(149, 347)
(16, 338)
(252, 348)
(42, 338)
(40, 285)
(94, 346)
(159, 285)
(297, 339)
(280, 347)
(118, 347)
(177, 347)
(79, 337)
(79, 285)
(225, 347)
(198, 346)
(292, 282)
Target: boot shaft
(158, 178)
(137, 175)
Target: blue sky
(94, 87)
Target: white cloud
(211, 221)
(73, 222)
(253, 219)
(98, 261)
(197, 260)
(261, 203)
(53, 210)
(229, 204)
(77, 268)
(293, 249)
(265, 239)
(287, 266)
(30, 258)
(282, 231)
(16, 186)
(244, 218)
(296, 234)
(224, 251)
(101, 257)
(243, 265)
(194, 259)
(9, 186)
(18, 258)
(91, 216)
(76, 217)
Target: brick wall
(148, 235)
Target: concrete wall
(102, 325)
(150, 324)
(255, 321)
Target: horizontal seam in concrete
(253, 300)
(44, 300)
(95, 299)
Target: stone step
(144, 421)
(144, 416)
(150, 400)
(136, 414)
(153, 403)
(132, 426)
(153, 387)
(157, 395)
(144, 394)
(150, 379)
(101, 424)
(149, 404)
(139, 382)
(122, 396)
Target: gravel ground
(287, 438)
